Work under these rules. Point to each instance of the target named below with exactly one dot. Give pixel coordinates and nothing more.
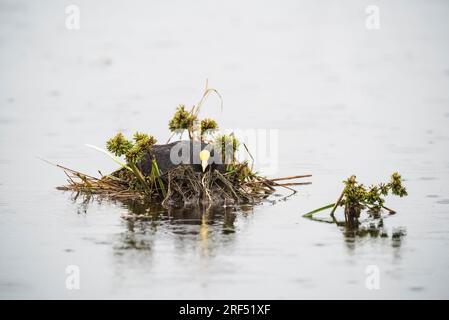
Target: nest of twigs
(149, 172)
(184, 186)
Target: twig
(170, 137)
(251, 156)
(68, 169)
(390, 211)
(291, 177)
(337, 203)
(294, 184)
(281, 185)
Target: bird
(204, 157)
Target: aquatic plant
(355, 197)
(143, 145)
(228, 146)
(208, 126)
(182, 120)
(119, 145)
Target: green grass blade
(140, 177)
(311, 213)
(157, 175)
(116, 159)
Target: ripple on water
(427, 178)
(432, 196)
(444, 201)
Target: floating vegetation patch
(356, 198)
(201, 170)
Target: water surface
(346, 100)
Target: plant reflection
(204, 226)
(208, 226)
(370, 226)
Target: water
(346, 100)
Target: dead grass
(184, 186)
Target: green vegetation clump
(133, 152)
(355, 198)
(182, 120)
(143, 144)
(119, 145)
(228, 145)
(208, 125)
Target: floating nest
(151, 175)
(183, 184)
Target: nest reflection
(207, 226)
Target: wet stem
(157, 175)
(140, 177)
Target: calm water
(346, 100)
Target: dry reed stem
(183, 185)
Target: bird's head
(204, 157)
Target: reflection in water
(199, 228)
(206, 226)
(137, 236)
(203, 225)
(191, 215)
(357, 229)
(371, 228)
